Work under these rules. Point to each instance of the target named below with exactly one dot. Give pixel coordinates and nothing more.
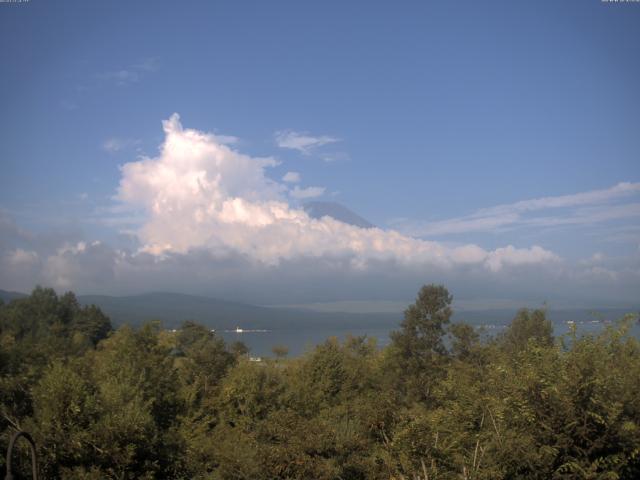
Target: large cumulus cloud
(200, 193)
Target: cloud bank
(206, 218)
(201, 194)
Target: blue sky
(416, 115)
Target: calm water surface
(303, 339)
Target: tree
(465, 340)
(528, 326)
(92, 323)
(152, 403)
(418, 348)
(205, 363)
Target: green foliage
(465, 341)
(528, 327)
(36, 332)
(418, 350)
(424, 322)
(150, 403)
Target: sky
(171, 146)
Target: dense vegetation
(438, 403)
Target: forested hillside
(151, 403)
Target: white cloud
(20, 257)
(309, 192)
(578, 209)
(291, 177)
(19, 269)
(226, 139)
(591, 197)
(199, 193)
(588, 215)
(510, 256)
(81, 263)
(349, 271)
(302, 141)
(115, 144)
(132, 74)
(119, 77)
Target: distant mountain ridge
(337, 211)
(7, 296)
(174, 308)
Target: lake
(302, 339)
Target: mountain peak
(337, 211)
